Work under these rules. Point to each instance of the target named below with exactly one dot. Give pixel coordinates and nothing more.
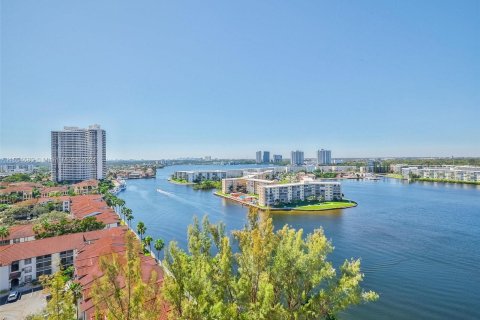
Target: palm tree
(141, 229)
(124, 212)
(4, 232)
(76, 290)
(120, 203)
(158, 245)
(148, 242)
(129, 212)
(129, 218)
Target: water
(419, 243)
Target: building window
(44, 265)
(28, 279)
(17, 240)
(15, 266)
(27, 261)
(27, 269)
(66, 258)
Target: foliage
(46, 229)
(158, 245)
(61, 305)
(121, 293)
(68, 273)
(208, 185)
(36, 193)
(17, 177)
(183, 181)
(141, 229)
(148, 242)
(324, 175)
(15, 213)
(4, 232)
(104, 186)
(274, 275)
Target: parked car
(13, 296)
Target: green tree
(141, 229)
(129, 218)
(121, 293)
(61, 305)
(4, 232)
(148, 242)
(17, 177)
(76, 290)
(274, 275)
(158, 245)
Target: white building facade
(297, 158)
(271, 195)
(324, 157)
(78, 154)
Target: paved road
(28, 303)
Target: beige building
(274, 194)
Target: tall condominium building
(266, 156)
(258, 157)
(297, 158)
(78, 154)
(324, 156)
(277, 158)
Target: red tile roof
(87, 266)
(30, 249)
(87, 183)
(48, 190)
(93, 205)
(20, 231)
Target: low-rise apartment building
(244, 185)
(460, 173)
(271, 195)
(216, 175)
(22, 263)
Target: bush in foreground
(274, 275)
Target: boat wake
(168, 194)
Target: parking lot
(28, 303)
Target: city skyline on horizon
(369, 79)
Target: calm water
(419, 243)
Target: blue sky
(227, 78)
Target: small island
(274, 188)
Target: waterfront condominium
(266, 156)
(277, 158)
(258, 157)
(297, 158)
(275, 194)
(78, 154)
(324, 157)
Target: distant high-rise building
(324, 157)
(297, 158)
(258, 158)
(277, 158)
(79, 154)
(266, 156)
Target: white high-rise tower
(79, 154)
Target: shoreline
(181, 183)
(243, 203)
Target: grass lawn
(327, 206)
(394, 176)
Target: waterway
(419, 242)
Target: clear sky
(227, 78)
